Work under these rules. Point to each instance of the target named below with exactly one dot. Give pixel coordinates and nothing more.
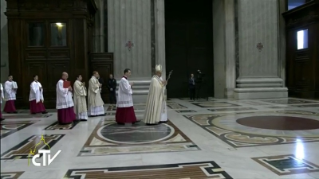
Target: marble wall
(258, 22)
(259, 71)
(4, 43)
(130, 20)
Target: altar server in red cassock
(1, 100)
(36, 97)
(64, 101)
(10, 91)
(125, 111)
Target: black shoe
(119, 123)
(44, 112)
(92, 116)
(15, 112)
(103, 114)
(1, 119)
(33, 113)
(149, 124)
(163, 122)
(83, 120)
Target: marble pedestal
(258, 88)
(140, 90)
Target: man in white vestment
(36, 97)
(80, 99)
(125, 111)
(1, 99)
(96, 104)
(10, 91)
(64, 101)
(156, 110)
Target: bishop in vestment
(80, 99)
(96, 104)
(156, 110)
(36, 97)
(64, 101)
(1, 99)
(10, 91)
(125, 111)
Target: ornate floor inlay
(108, 138)
(306, 106)
(232, 109)
(26, 116)
(226, 127)
(136, 107)
(57, 126)
(255, 103)
(289, 101)
(11, 175)
(185, 111)
(198, 170)
(174, 105)
(10, 127)
(212, 104)
(287, 164)
(22, 150)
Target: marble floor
(214, 138)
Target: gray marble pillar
(4, 43)
(130, 20)
(99, 28)
(259, 72)
(160, 34)
(224, 48)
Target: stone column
(259, 72)
(224, 48)
(160, 34)
(4, 43)
(130, 20)
(99, 28)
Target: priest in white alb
(96, 104)
(80, 99)
(1, 100)
(156, 110)
(64, 101)
(124, 104)
(10, 91)
(36, 97)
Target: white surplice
(9, 91)
(63, 96)
(125, 92)
(1, 95)
(80, 107)
(36, 92)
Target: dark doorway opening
(189, 45)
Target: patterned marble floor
(215, 138)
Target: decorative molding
(311, 17)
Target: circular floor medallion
(136, 134)
(279, 122)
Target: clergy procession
(71, 104)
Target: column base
(260, 93)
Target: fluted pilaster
(129, 20)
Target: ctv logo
(47, 159)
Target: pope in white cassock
(124, 104)
(156, 110)
(10, 91)
(64, 101)
(36, 97)
(80, 99)
(1, 99)
(96, 104)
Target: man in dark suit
(111, 84)
(191, 84)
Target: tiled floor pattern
(214, 130)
